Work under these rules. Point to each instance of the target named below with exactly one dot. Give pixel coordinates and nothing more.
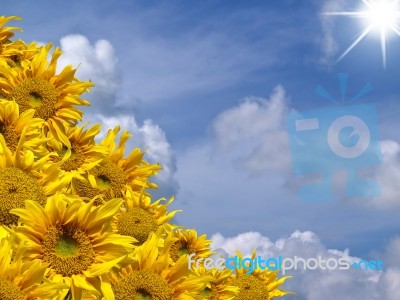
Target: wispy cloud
(169, 68)
(328, 44)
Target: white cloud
(251, 118)
(248, 242)
(391, 278)
(387, 175)
(247, 140)
(95, 62)
(391, 284)
(350, 284)
(254, 132)
(392, 252)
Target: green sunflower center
(142, 285)
(16, 186)
(180, 248)
(38, 94)
(67, 250)
(66, 246)
(206, 293)
(9, 291)
(210, 293)
(110, 179)
(251, 288)
(10, 135)
(137, 223)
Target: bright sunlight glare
(381, 15)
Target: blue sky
(206, 86)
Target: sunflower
(83, 155)
(15, 53)
(188, 242)
(70, 236)
(53, 97)
(259, 285)
(140, 216)
(112, 177)
(22, 280)
(219, 287)
(151, 276)
(22, 177)
(7, 32)
(12, 124)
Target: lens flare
(380, 15)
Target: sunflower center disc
(9, 291)
(16, 186)
(17, 59)
(111, 181)
(103, 181)
(10, 136)
(76, 159)
(210, 293)
(38, 94)
(180, 248)
(251, 287)
(67, 250)
(137, 223)
(143, 295)
(66, 246)
(141, 285)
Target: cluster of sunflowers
(77, 221)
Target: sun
(382, 16)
